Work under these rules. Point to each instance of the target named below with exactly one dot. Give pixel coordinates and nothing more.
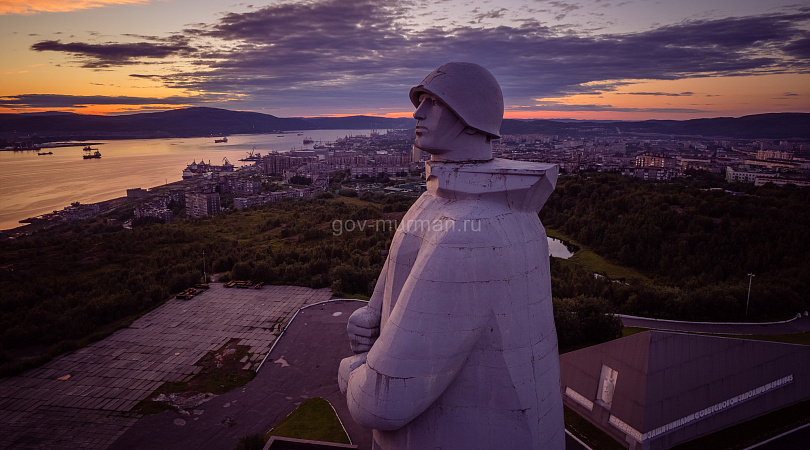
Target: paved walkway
(82, 399)
(800, 325)
(304, 364)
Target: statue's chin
(466, 147)
(432, 151)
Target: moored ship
(252, 156)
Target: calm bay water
(31, 184)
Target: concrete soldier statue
(457, 346)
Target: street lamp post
(750, 277)
(205, 276)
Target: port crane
(252, 156)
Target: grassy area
(588, 432)
(315, 420)
(221, 372)
(73, 285)
(356, 201)
(353, 296)
(796, 338)
(37, 358)
(629, 331)
(585, 257)
(748, 433)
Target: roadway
(795, 325)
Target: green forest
(693, 248)
(696, 244)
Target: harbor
(34, 185)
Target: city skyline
(590, 59)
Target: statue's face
(437, 127)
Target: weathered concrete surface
(82, 399)
(457, 346)
(302, 365)
(467, 350)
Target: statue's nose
(419, 114)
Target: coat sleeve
(364, 323)
(376, 300)
(438, 318)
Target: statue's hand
(347, 366)
(363, 329)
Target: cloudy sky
(594, 59)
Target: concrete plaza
(82, 399)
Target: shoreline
(169, 151)
(51, 145)
(105, 206)
(65, 141)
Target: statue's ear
(472, 131)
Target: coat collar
(522, 185)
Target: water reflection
(557, 249)
(33, 184)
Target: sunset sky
(585, 59)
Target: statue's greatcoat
(467, 352)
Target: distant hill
(50, 113)
(764, 126)
(185, 122)
(360, 122)
(189, 122)
(777, 125)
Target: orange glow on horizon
(599, 115)
(118, 109)
(97, 110)
(683, 99)
(393, 115)
(27, 7)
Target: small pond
(557, 249)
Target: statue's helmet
(470, 91)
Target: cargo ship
(88, 155)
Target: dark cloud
(728, 34)
(558, 106)
(665, 94)
(493, 14)
(366, 54)
(799, 48)
(787, 96)
(564, 8)
(113, 54)
(79, 101)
